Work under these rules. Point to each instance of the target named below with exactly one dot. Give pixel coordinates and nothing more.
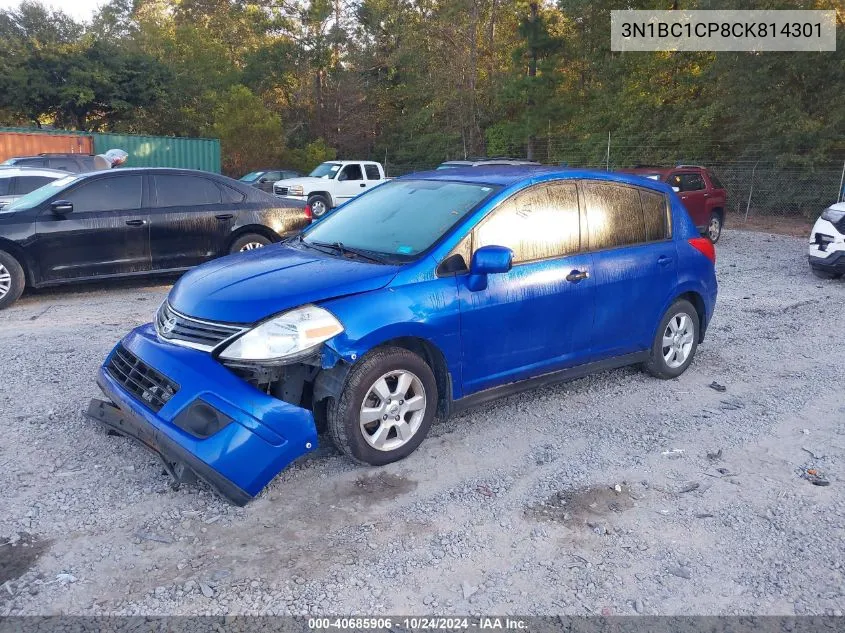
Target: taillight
(705, 247)
(308, 212)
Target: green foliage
(415, 82)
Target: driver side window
(538, 223)
(351, 172)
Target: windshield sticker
(405, 250)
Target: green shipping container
(162, 151)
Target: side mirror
(676, 189)
(262, 180)
(61, 207)
(488, 260)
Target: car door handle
(363, 184)
(664, 261)
(224, 216)
(135, 222)
(577, 275)
(706, 195)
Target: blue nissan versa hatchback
(431, 293)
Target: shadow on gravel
(581, 506)
(18, 555)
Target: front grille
(185, 330)
(150, 388)
(280, 191)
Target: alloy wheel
(393, 410)
(5, 281)
(318, 208)
(714, 229)
(251, 246)
(678, 339)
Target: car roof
(482, 162)
(508, 175)
(149, 170)
(11, 171)
(347, 162)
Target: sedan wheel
(251, 246)
(677, 340)
(5, 281)
(393, 410)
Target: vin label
(760, 31)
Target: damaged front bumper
(198, 417)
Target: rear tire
(823, 274)
(249, 242)
(714, 227)
(320, 205)
(12, 280)
(386, 408)
(675, 342)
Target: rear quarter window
(655, 216)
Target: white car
(827, 243)
(332, 183)
(19, 181)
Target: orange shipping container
(14, 144)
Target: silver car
(18, 181)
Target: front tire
(249, 242)
(714, 227)
(320, 205)
(12, 280)
(386, 408)
(675, 342)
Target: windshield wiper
(347, 250)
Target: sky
(78, 9)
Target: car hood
(306, 181)
(254, 285)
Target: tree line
(415, 82)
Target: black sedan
(134, 222)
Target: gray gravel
(572, 499)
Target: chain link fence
(756, 187)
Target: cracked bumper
(261, 437)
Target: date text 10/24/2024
(414, 623)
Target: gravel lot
(617, 493)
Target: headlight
(293, 335)
(296, 190)
(832, 215)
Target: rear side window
(654, 216)
(717, 184)
(230, 194)
(107, 194)
(174, 190)
(614, 215)
(25, 184)
(5, 184)
(372, 172)
(538, 223)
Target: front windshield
(326, 170)
(400, 218)
(34, 198)
(252, 176)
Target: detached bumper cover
(262, 435)
(833, 263)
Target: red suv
(701, 192)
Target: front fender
(426, 310)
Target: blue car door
(538, 316)
(634, 264)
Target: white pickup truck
(332, 183)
